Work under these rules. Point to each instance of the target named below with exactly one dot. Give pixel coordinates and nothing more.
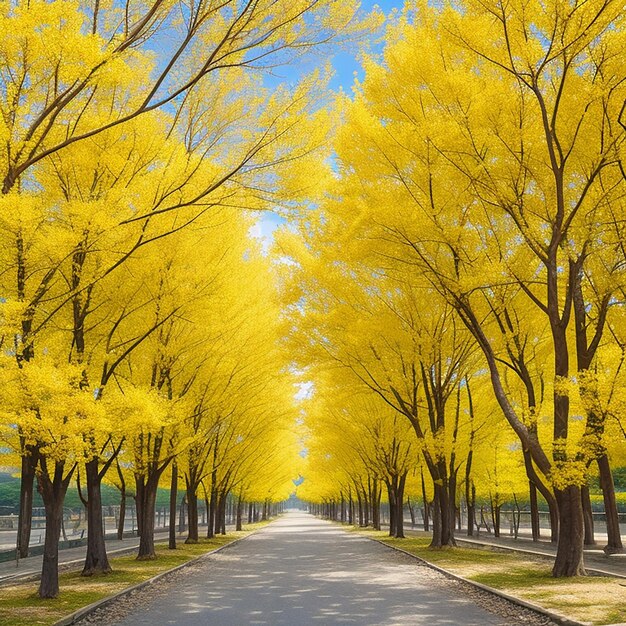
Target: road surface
(301, 571)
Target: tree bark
(375, 500)
(192, 514)
(553, 511)
(53, 494)
(207, 504)
(27, 486)
(212, 506)
(614, 540)
(443, 508)
(173, 500)
(122, 518)
(426, 505)
(411, 511)
(569, 556)
(534, 512)
(238, 524)
(49, 584)
(391, 496)
(220, 522)
(399, 504)
(495, 517)
(96, 561)
(468, 495)
(146, 501)
(589, 539)
(436, 540)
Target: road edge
(90, 608)
(559, 618)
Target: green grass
(20, 605)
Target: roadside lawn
(20, 605)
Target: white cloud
(263, 229)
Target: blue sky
(346, 65)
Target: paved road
(301, 571)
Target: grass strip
(595, 599)
(20, 605)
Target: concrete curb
(554, 616)
(90, 608)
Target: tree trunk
(448, 506)
(548, 496)
(238, 525)
(146, 501)
(614, 544)
(569, 556)
(468, 488)
(392, 509)
(49, 584)
(212, 507)
(221, 520)
(182, 514)
(122, 517)
(173, 499)
(192, 513)
(436, 540)
(411, 511)
(553, 510)
(207, 504)
(395, 491)
(25, 520)
(534, 512)
(250, 513)
(495, 517)
(53, 494)
(589, 539)
(399, 505)
(443, 506)
(96, 561)
(471, 510)
(426, 506)
(451, 501)
(375, 498)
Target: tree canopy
(448, 282)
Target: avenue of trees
(457, 294)
(450, 282)
(139, 321)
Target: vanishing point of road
(300, 571)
